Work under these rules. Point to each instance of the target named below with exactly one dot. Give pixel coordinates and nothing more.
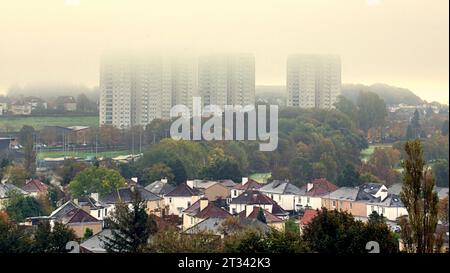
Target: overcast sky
(398, 42)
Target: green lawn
(15, 123)
(367, 153)
(260, 177)
(82, 154)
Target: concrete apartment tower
(313, 81)
(134, 90)
(227, 79)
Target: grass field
(15, 123)
(82, 154)
(260, 177)
(367, 153)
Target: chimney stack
(164, 180)
(94, 196)
(203, 203)
(244, 180)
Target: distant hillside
(390, 94)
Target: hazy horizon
(396, 42)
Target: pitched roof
(126, 195)
(392, 200)
(183, 190)
(6, 188)
(280, 187)
(367, 192)
(214, 225)
(270, 218)
(35, 185)
(227, 183)
(64, 209)
(210, 210)
(89, 201)
(95, 243)
(344, 194)
(78, 215)
(252, 197)
(70, 213)
(308, 216)
(320, 187)
(251, 184)
(159, 187)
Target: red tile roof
(321, 187)
(251, 184)
(308, 216)
(211, 210)
(270, 218)
(35, 185)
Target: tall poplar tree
(420, 199)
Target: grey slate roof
(397, 188)
(214, 225)
(344, 194)
(126, 195)
(64, 209)
(7, 187)
(95, 243)
(392, 200)
(159, 187)
(280, 187)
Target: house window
(98, 213)
(188, 204)
(373, 209)
(234, 211)
(170, 200)
(334, 203)
(307, 200)
(351, 205)
(106, 211)
(192, 220)
(382, 210)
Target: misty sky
(399, 42)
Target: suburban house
(160, 187)
(154, 204)
(304, 220)
(76, 218)
(213, 190)
(35, 103)
(5, 190)
(68, 103)
(345, 199)
(201, 210)
(283, 192)
(356, 200)
(20, 109)
(271, 220)
(181, 198)
(311, 194)
(92, 205)
(391, 207)
(35, 188)
(246, 201)
(245, 185)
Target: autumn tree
(131, 227)
(419, 198)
